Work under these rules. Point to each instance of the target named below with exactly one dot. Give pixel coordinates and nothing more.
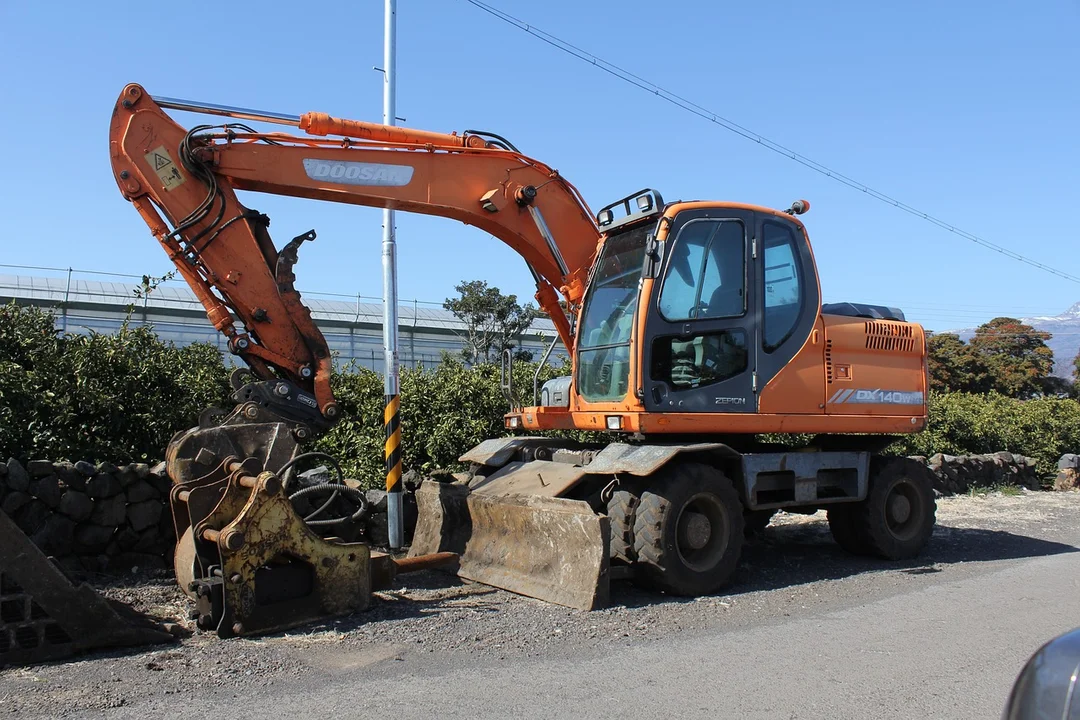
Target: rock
(31, 517)
(109, 512)
(106, 468)
(127, 475)
(161, 483)
(69, 475)
(86, 468)
(176, 630)
(39, 468)
(103, 485)
(1067, 479)
(3, 471)
(145, 514)
(166, 529)
(134, 562)
(143, 470)
(91, 539)
(314, 476)
(1069, 461)
(377, 531)
(127, 538)
(15, 500)
(76, 505)
(377, 500)
(159, 470)
(17, 477)
(92, 563)
(70, 565)
(56, 536)
(150, 542)
(141, 490)
(47, 489)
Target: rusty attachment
(258, 567)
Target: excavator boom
(223, 251)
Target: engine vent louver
(890, 336)
(828, 361)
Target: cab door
(700, 348)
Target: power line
(702, 112)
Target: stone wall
(92, 518)
(957, 474)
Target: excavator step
(44, 616)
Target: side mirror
(1047, 687)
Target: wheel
(688, 530)
(846, 528)
(896, 519)
(755, 521)
(621, 509)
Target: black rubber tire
(891, 478)
(755, 521)
(621, 510)
(680, 498)
(845, 524)
(896, 519)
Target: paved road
(942, 639)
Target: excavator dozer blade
(45, 617)
(552, 549)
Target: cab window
(706, 272)
(783, 289)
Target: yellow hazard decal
(166, 169)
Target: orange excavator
(697, 338)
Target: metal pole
(391, 415)
(67, 296)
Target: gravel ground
(431, 620)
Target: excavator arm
(183, 184)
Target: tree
(1016, 356)
(493, 321)
(1076, 368)
(955, 366)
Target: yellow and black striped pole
(392, 423)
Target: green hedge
(117, 397)
(120, 398)
(444, 412)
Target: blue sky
(967, 110)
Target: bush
(968, 424)
(117, 397)
(444, 413)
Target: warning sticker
(165, 168)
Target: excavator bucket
(43, 616)
(549, 548)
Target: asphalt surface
(805, 632)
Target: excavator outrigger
(693, 329)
